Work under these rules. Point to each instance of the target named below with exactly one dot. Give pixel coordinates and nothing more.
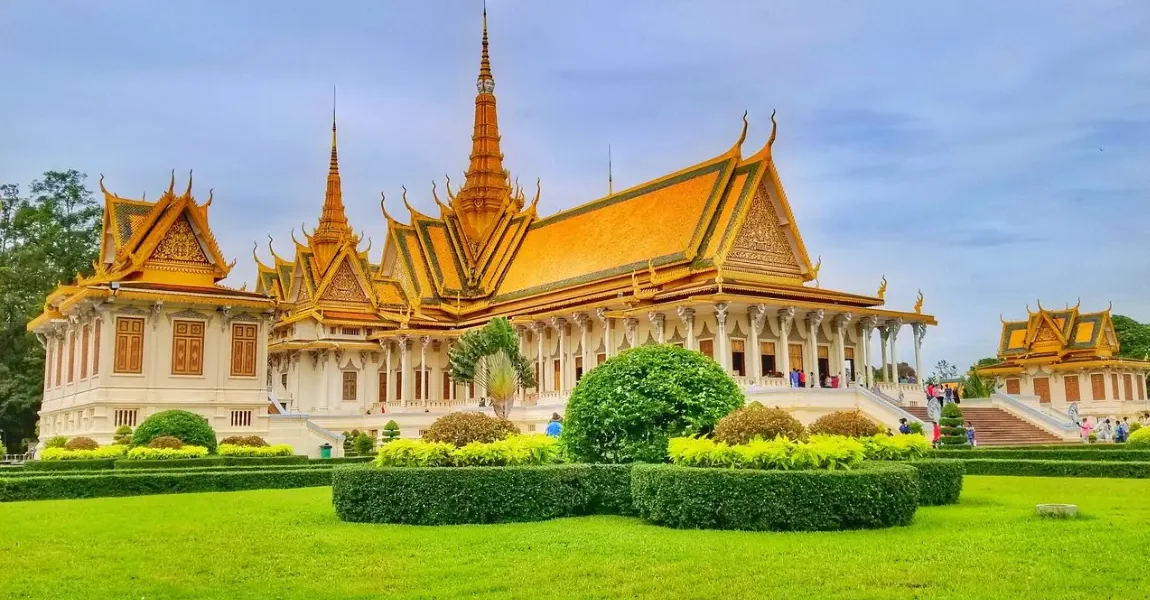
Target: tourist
(802, 379)
(949, 395)
(1084, 430)
(970, 434)
(929, 391)
(555, 427)
(811, 378)
(956, 398)
(835, 381)
(935, 434)
(794, 378)
(903, 426)
(1122, 431)
(1104, 431)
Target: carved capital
(721, 314)
(424, 342)
(758, 315)
(919, 330)
(403, 342)
(559, 323)
(582, 320)
(632, 326)
(658, 320)
(868, 323)
(894, 325)
(786, 320)
(815, 317)
(840, 321)
(602, 314)
(687, 315)
(157, 308)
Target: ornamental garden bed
(135, 484)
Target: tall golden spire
(333, 227)
(485, 191)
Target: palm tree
(491, 358)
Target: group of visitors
(944, 394)
(936, 432)
(1118, 431)
(799, 379)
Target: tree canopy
(1133, 337)
(491, 358)
(49, 235)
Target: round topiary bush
(188, 427)
(1139, 439)
(757, 421)
(123, 436)
(872, 496)
(462, 428)
(166, 441)
(851, 423)
(627, 408)
(950, 429)
(81, 443)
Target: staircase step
(996, 427)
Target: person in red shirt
(802, 379)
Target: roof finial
(610, 182)
(774, 130)
(172, 185)
(334, 167)
(485, 60)
(188, 192)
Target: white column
(895, 325)
(538, 327)
(425, 342)
(560, 325)
(608, 341)
(723, 345)
(884, 345)
(631, 328)
(786, 320)
(840, 325)
(687, 314)
(867, 325)
(814, 318)
(658, 320)
(584, 323)
(757, 314)
(520, 331)
(919, 330)
(407, 384)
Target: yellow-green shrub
(516, 450)
(850, 423)
(252, 451)
(145, 453)
(1139, 439)
(757, 421)
(63, 454)
(895, 447)
(818, 452)
(81, 443)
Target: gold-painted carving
(345, 286)
(180, 245)
(761, 239)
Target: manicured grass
(289, 544)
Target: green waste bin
(325, 451)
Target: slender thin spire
(333, 168)
(610, 183)
(333, 227)
(486, 189)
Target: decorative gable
(344, 285)
(762, 243)
(180, 245)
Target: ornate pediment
(762, 243)
(180, 245)
(344, 285)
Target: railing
(16, 459)
(1062, 426)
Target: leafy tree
(50, 235)
(491, 358)
(905, 371)
(944, 370)
(1133, 337)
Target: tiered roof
(722, 228)
(1060, 339)
(161, 251)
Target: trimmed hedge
(686, 497)
(95, 464)
(136, 484)
(208, 461)
(1067, 446)
(458, 495)
(343, 459)
(1072, 453)
(208, 469)
(939, 481)
(1058, 468)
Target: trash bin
(325, 451)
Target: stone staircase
(996, 427)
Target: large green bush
(1139, 439)
(134, 484)
(627, 408)
(435, 496)
(188, 427)
(939, 481)
(685, 497)
(462, 428)
(363, 444)
(1058, 468)
(757, 421)
(851, 423)
(950, 427)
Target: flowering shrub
(145, 453)
(63, 454)
(516, 450)
(253, 451)
(818, 452)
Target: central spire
(486, 190)
(333, 227)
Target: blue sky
(989, 153)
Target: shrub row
(439, 496)
(939, 481)
(217, 468)
(135, 484)
(1058, 468)
(1071, 453)
(517, 450)
(881, 495)
(174, 463)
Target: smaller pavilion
(1064, 357)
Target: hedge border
(473, 495)
(128, 463)
(203, 469)
(91, 464)
(138, 484)
(873, 496)
(939, 480)
(1071, 453)
(1058, 468)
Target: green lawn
(289, 544)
